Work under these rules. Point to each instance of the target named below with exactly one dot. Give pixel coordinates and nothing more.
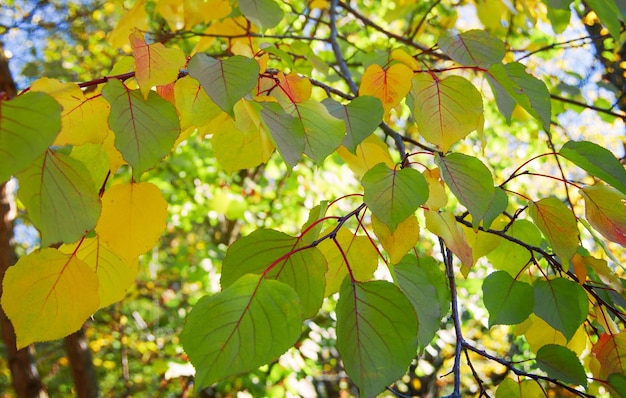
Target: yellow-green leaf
(446, 110)
(48, 295)
(605, 209)
(444, 225)
(133, 218)
(558, 225)
(194, 106)
(60, 196)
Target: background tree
(346, 127)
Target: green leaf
(558, 225)
(511, 257)
(605, 209)
(310, 232)
(61, 199)
(361, 117)
(446, 110)
(562, 364)
(497, 206)
(286, 130)
(393, 195)
(376, 333)
(304, 271)
(263, 13)
(609, 14)
(226, 81)
(597, 161)
(508, 301)
(617, 381)
(472, 48)
(562, 303)
(323, 132)
(248, 324)
(470, 181)
(145, 129)
(425, 285)
(28, 126)
(512, 84)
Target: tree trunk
(79, 355)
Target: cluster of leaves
(80, 157)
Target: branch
(595, 108)
(456, 369)
(341, 62)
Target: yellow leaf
(48, 295)
(297, 88)
(539, 333)
(368, 154)
(482, 243)
(580, 268)
(172, 11)
(403, 239)
(243, 143)
(360, 252)
(197, 12)
(115, 275)
(402, 56)
(437, 196)
(445, 226)
(116, 160)
(135, 19)
(228, 27)
(389, 85)
(132, 219)
(155, 64)
(84, 120)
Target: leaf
(361, 117)
(617, 382)
(286, 130)
(597, 161)
(263, 13)
(244, 142)
(133, 218)
(444, 225)
(389, 85)
(437, 196)
(393, 195)
(60, 197)
(425, 285)
(115, 275)
(511, 257)
(376, 334)
(145, 129)
(29, 124)
(470, 181)
(48, 295)
(558, 225)
(446, 110)
(293, 88)
(303, 271)
(508, 301)
(312, 228)
(134, 19)
(398, 243)
(511, 83)
(562, 303)
(539, 333)
(82, 118)
(155, 65)
(609, 14)
(196, 109)
(248, 324)
(497, 206)
(369, 153)
(605, 209)
(561, 364)
(610, 351)
(357, 249)
(509, 388)
(323, 133)
(472, 48)
(225, 81)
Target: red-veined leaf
(389, 85)
(562, 303)
(473, 48)
(558, 225)
(605, 209)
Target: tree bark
(25, 377)
(79, 355)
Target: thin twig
(341, 62)
(456, 369)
